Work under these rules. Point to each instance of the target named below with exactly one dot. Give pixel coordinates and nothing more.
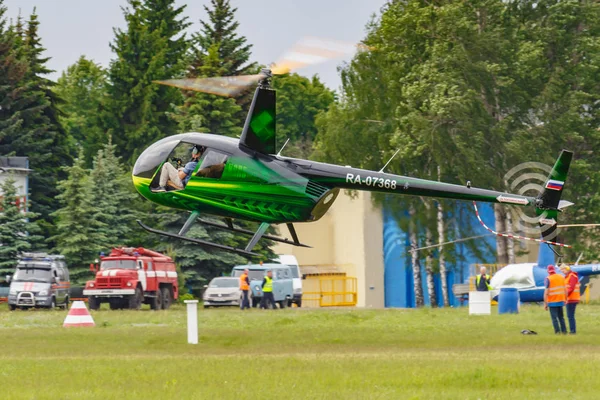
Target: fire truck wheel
(156, 302)
(166, 298)
(93, 303)
(135, 301)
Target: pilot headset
(196, 150)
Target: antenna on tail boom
(389, 161)
(282, 147)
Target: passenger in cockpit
(178, 177)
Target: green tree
(40, 135)
(82, 87)
(560, 56)
(299, 102)
(202, 112)
(152, 47)
(220, 32)
(12, 71)
(17, 233)
(216, 50)
(79, 235)
(112, 198)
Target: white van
(291, 261)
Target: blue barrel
(508, 301)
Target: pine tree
(40, 135)
(217, 50)
(209, 113)
(152, 47)
(17, 233)
(82, 87)
(79, 235)
(220, 33)
(112, 198)
(12, 70)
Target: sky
(70, 28)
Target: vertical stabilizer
(259, 129)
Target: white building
(16, 168)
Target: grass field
(299, 354)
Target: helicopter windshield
(153, 156)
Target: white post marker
(480, 303)
(192, 321)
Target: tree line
(466, 91)
(83, 133)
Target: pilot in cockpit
(178, 177)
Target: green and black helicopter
(247, 179)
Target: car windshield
(295, 272)
(121, 264)
(223, 283)
(32, 273)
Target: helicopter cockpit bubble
(149, 161)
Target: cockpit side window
(213, 164)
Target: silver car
(223, 291)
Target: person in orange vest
(555, 296)
(244, 287)
(573, 295)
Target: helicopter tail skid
(203, 243)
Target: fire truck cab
(129, 277)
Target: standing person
(244, 287)
(555, 296)
(573, 295)
(482, 281)
(267, 288)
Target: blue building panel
(398, 276)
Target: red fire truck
(129, 277)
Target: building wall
(348, 238)
(20, 182)
(16, 168)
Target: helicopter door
(213, 165)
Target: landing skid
(200, 242)
(230, 227)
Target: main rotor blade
(311, 51)
(223, 86)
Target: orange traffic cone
(79, 315)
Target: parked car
(222, 291)
(292, 262)
(283, 287)
(40, 280)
